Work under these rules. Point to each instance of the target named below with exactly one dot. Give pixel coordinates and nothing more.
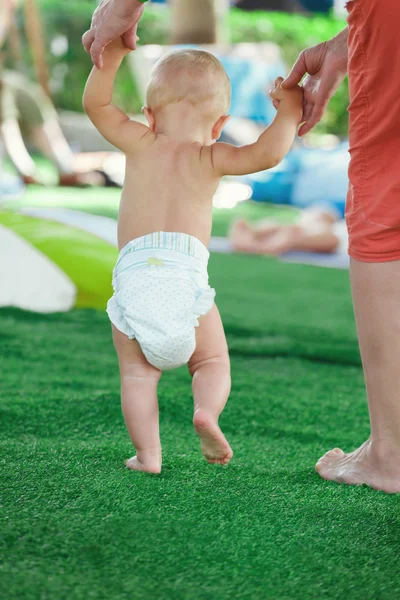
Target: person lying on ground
(315, 230)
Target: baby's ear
(150, 117)
(218, 127)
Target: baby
(163, 312)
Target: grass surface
(78, 525)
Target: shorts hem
(374, 258)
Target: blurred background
(50, 50)
(59, 177)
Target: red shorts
(373, 200)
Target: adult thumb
(96, 52)
(130, 38)
(296, 74)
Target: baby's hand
(116, 49)
(290, 101)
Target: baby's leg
(210, 369)
(139, 380)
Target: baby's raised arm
(272, 145)
(112, 122)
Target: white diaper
(161, 287)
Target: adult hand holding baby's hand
(116, 50)
(326, 67)
(290, 101)
(111, 20)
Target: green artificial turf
(77, 525)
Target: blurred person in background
(315, 230)
(28, 115)
(10, 186)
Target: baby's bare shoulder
(200, 157)
(147, 139)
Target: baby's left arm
(112, 122)
(272, 145)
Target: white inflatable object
(29, 280)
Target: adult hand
(112, 19)
(326, 67)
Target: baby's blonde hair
(191, 76)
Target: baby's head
(190, 80)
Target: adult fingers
(130, 38)
(314, 118)
(96, 52)
(87, 40)
(307, 110)
(296, 74)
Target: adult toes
(331, 456)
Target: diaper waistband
(166, 240)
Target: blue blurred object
(307, 177)
(275, 185)
(11, 187)
(251, 80)
(322, 179)
(322, 6)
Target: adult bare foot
(379, 470)
(214, 444)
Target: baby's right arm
(272, 145)
(112, 123)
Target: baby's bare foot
(148, 467)
(214, 445)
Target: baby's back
(169, 186)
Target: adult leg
(376, 293)
(211, 384)
(17, 151)
(49, 138)
(139, 381)
(39, 122)
(373, 219)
